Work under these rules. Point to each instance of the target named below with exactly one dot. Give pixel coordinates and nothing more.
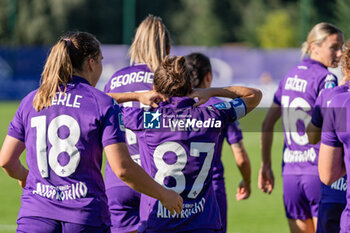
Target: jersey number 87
(175, 170)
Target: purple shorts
(46, 225)
(301, 195)
(124, 205)
(220, 194)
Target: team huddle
(162, 129)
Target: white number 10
(58, 145)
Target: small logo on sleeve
(223, 105)
(121, 122)
(330, 81)
(151, 120)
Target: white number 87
(175, 170)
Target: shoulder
(101, 99)
(28, 99)
(340, 100)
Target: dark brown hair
(172, 78)
(199, 66)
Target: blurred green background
(257, 23)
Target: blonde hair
(317, 35)
(67, 55)
(150, 44)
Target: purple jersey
(232, 133)
(334, 193)
(177, 145)
(64, 146)
(296, 94)
(335, 133)
(135, 78)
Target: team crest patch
(330, 81)
(151, 120)
(223, 105)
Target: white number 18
(58, 145)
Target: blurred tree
(253, 16)
(342, 18)
(191, 22)
(277, 31)
(197, 24)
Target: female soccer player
(151, 44)
(201, 77)
(294, 101)
(177, 144)
(333, 198)
(64, 126)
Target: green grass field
(261, 213)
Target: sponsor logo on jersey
(296, 84)
(188, 210)
(61, 193)
(151, 120)
(339, 185)
(298, 156)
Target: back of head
(151, 43)
(172, 78)
(199, 66)
(318, 34)
(66, 56)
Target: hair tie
(68, 41)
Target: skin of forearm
(242, 161)
(125, 97)
(16, 170)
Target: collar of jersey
(77, 79)
(311, 61)
(178, 102)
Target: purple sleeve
(133, 118)
(232, 110)
(329, 129)
(234, 133)
(317, 119)
(113, 128)
(16, 128)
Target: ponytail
(58, 71)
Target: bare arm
(11, 150)
(243, 163)
(266, 178)
(330, 164)
(250, 96)
(134, 176)
(313, 133)
(150, 98)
